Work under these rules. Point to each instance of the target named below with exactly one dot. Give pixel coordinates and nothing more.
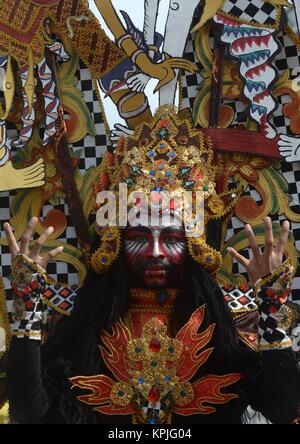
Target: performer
(150, 338)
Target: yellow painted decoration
(4, 415)
(210, 9)
(5, 335)
(24, 206)
(285, 3)
(80, 122)
(30, 84)
(8, 88)
(13, 179)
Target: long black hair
(103, 300)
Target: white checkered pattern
(239, 299)
(92, 147)
(190, 82)
(254, 11)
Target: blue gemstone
(172, 154)
(163, 296)
(158, 189)
(162, 145)
(104, 259)
(168, 174)
(152, 421)
(151, 153)
(141, 381)
(168, 378)
(152, 173)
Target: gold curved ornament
(4, 414)
(30, 84)
(8, 88)
(210, 9)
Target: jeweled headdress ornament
(167, 154)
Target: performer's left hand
(263, 263)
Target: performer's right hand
(34, 252)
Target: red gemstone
(154, 394)
(154, 345)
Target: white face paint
(155, 255)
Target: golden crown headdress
(166, 154)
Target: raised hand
(289, 148)
(34, 252)
(263, 263)
(138, 82)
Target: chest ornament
(154, 372)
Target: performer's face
(155, 255)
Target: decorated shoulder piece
(35, 294)
(243, 306)
(28, 284)
(275, 316)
